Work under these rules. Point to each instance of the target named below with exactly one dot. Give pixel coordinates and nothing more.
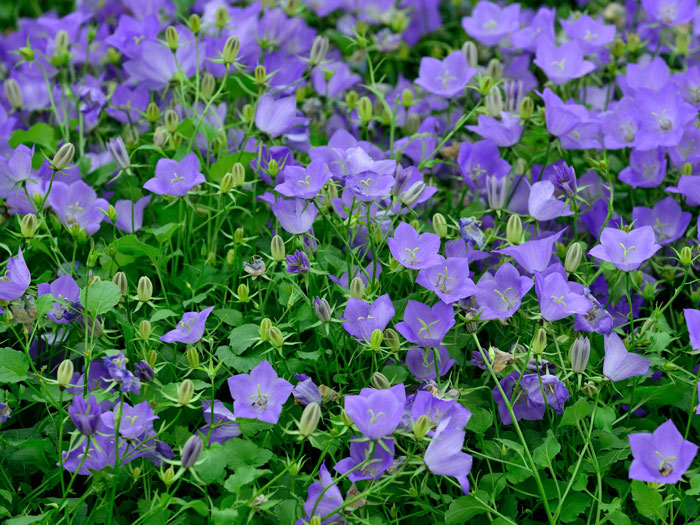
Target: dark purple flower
(115, 370)
(662, 456)
(426, 326)
(627, 251)
(621, 364)
(176, 178)
(5, 412)
(597, 319)
(144, 372)
(360, 318)
(298, 262)
(413, 250)
(85, 414)
(190, 329)
(260, 394)
(381, 460)
(376, 413)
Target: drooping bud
(13, 93)
(171, 38)
(152, 112)
(364, 109)
(376, 339)
(171, 121)
(231, 49)
(28, 225)
(309, 419)
(421, 427)
(379, 381)
(440, 225)
(579, 353)
(120, 280)
(319, 50)
(514, 229)
(243, 293)
(471, 53)
(265, 326)
(322, 309)
(276, 337)
(191, 451)
(185, 392)
(539, 343)
(527, 108)
(686, 256)
(192, 357)
(145, 329)
(357, 288)
(65, 374)
(144, 289)
(63, 156)
(207, 85)
(573, 257)
(391, 338)
(351, 98)
(277, 249)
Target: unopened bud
(195, 23)
(351, 98)
(226, 183)
(171, 38)
(413, 194)
(686, 256)
(391, 338)
(207, 86)
(527, 108)
(413, 122)
(238, 172)
(238, 235)
(539, 343)
(514, 229)
(276, 337)
(171, 121)
(440, 225)
(407, 98)
(485, 85)
(191, 451)
(682, 42)
(376, 339)
(120, 280)
(13, 93)
(686, 169)
(248, 113)
(618, 48)
(421, 427)
(379, 381)
(277, 248)
(322, 309)
(231, 49)
(192, 357)
(260, 75)
(111, 213)
(145, 329)
(144, 289)
(152, 112)
(243, 293)
(345, 418)
(364, 109)
(168, 476)
(633, 42)
(265, 326)
(117, 150)
(573, 257)
(494, 69)
(471, 53)
(319, 50)
(62, 41)
(28, 226)
(63, 156)
(357, 288)
(494, 103)
(221, 16)
(315, 520)
(65, 374)
(309, 419)
(579, 353)
(185, 392)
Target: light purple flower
(444, 455)
(437, 409)
(504, 132)
(77, 203)
(662, 456)
(666, 218)
(376, 413)
(276, 117)
(16, 279)
(323, 498)
(126, 210)
(176, 178)
(447, 77)
(360, 318)
(17, 168)
(381, 460)
(304, 183)
(499, 295)
(478, 160)
(627, 251)
(543, 205)
(647, 169)
(557, 299)
(662, 116)
(424, 325)
(670, 12)
(591, 34)
(64, 288)
(85, 414)
(692, 322)
(533, 256)
(562, 63)
(421, 362)
(221, 424)
(689, 187)
(190, 329)
(620, 363)
(412, 250)
(295, 215)
(260, 394)
(490, 23)
(370, 186)
(448, 279)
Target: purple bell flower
(190, 329)
(533, 256)
(381, 460)
(449, 279)
(360, 318)
(621, 364)
(666, 218)
(85, 414)
(323, 498)
(421, 362)
(260, 394)
(16, 279)
(376, 413)
(298, 262)
(447, 77)
(662, 456)
(176, 178)
(499, 295)
(426, 326)
(444, 455)
(627, 251)
(221, 423)
(413, 250)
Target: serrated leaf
(13, 366)
(242, 452)
(100, 297)
(242, 477)
(647, 500)
(547, 451)
(575, 413)
(465, 508)
(212, 463)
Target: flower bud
(485, 85)
(579, 353)
(364, 109)
(357, 288)
(687, 169)
(144, 289)
(62, 41)
(276, 337)
(421, 427)
(618, 48)
(243, 293)
(494, 69)
(248, 113)
(633, 42)
(144, 371)
(527, 108)
(440, 225)
(145, 329)
(376, 339)
(315, 520)
(682, 42)
(260, 75)
(407, 98)
(345, 418)
(226, 184)
(231, 49)
(319, 50)
(120, 280)
(539, 343)
(686, 256)
(238, 172)
(195, 23)
(111, 213)
(192, 357)
(185, 392)
(309, 419)
(413, 194)
(230, 256)
(471, 53)
(238, 235)
(351, 98)
(152, 112)
(191, 451)
(391, 338)
(28, 226)
(63, 156)
(277, 248)
(514, 229)
(13, 93)
(413, 122)
(171, 121)
(265, 326)
(171, 38)
(117, 150)
(168, 476)
(379, 381)
(573, 257)
(494, 103)
(322, 309)
(207, 86)
(65, 374)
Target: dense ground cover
(356, 261)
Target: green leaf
(243, 337)
(13, 366)
(162, 314)
(165, 232)
(604, 418)
(129, 248)
(212, 463)
(647, 500)
(25, 520)
(242, 452)
(694, 489)
(545, 453)
(480, 421)
(44, 304)
(242, 477)
(100, 297)
(575, 504)
(575, 413)
(465, 508)
(395, 373)
(40, 134)
(228, 316)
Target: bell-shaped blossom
(563, 177)
(620, 363)
(662, 116)
(344, 280)
(17, 168)
(297, 262)
(376, 413)
(369, 186)
(77, 203)
(689, 187)
(374, 466)
(490, 23)
(529, 401)
(542, 205)
(471, 232)
(136, 420)
(533, 256)
(421, 363)
(626, 250)
(304, 183)
(591, 34)
(499, 295)
(692, 322)
(647, 169)
(175, 178)
(295, 215)
(562, 63)
(666, 218)
(447, 77)
(64, 288)
(323, 498)
(190, 329)
(276, 117)
(662, 456)
(444, 455)
(413, 250)
(438, 410)
(557, 299)
(449, 279)
(85, 414)
(620, 124)
(541, 27)
(306, 391)
(670, 12)
(478, 160)
(426, 326)
(16, 279)
(360, 318)
(221, 424)
(505, 132)
(597, 319)
(130, 214)
(260, 394)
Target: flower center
(176, 179)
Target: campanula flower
(647, 169)
(306, 391)
(557, 299)
(221, 424)
(666, 218)
(620, 363)
(444, 455)
(276, 117)
(376, 413)
(447, 77)
(5, 412)
(692, 322)
(562, 63)
(490, 23)
(670, 12)
(260, 394)
(662, 456)
(382, 459)
(295, 215)
(128, 211)
(176, 178)
(16, 279)
(535, 255)
(421, 362)
(360, 318)
(85, 414)
(17, 168)
(77, 203)
(64, 288)
(438, 410)
(448, 279)
(478, 160)
(304, 183)
(689, 187)
(298, 262)
(190, 329)
(499, 295)
(504, 132)
(591, 34)
(323, 498)
(369, 186)
(662, 115)
(424, 325)
(413, 250)
(543, 205)
(627, 251)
